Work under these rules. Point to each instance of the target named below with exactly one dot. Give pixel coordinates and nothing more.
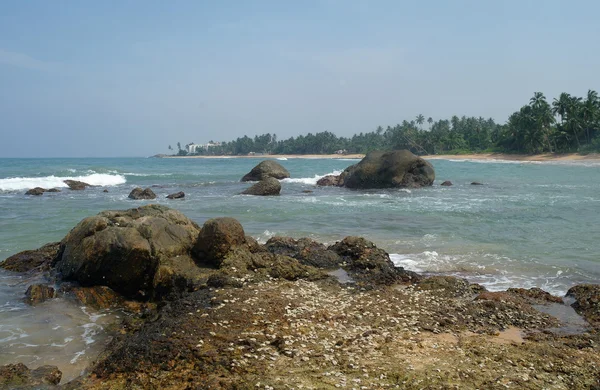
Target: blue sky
(129, 78)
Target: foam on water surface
(24, 183)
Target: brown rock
(76, 185)
(476, 183)
(450, 286)
(267, 168)
(38, 293)
(40, 259)
(138, 193)
(177, 195)
(18, 376)
(587, 302)
(217, 238)
(53, 190)
(36, 191)
(265, 187)
(305, 250)
(370, 265)
(329, 180)
(446, 183)
(98, 297)
(394, 169)
(124, 249)
(535, 296)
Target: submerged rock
(18, 376)
(447, 183)
(76, 185)
(329, 180)
(38, 293)
(138, 193)
(36, 191)
(38, 259)
(476, 183)
(266, 187)
(177, 195)
(265, 169)
(98, 297)
(124, 249)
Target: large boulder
(305, 250)
(38, 259)
(267, 168)
(369, 265)
(124, 249)
(217, 238)
(266, 187)
(395, 169)
(76, 185)
(138, 193)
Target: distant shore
(517, 157)
(282, 156)
(480, 156)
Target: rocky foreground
(214, 309)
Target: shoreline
(283, 156)
(546, 157)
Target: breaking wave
(309, 180)
(24, 183)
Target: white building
(193, 148)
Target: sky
(129, 78)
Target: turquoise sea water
(531, 224)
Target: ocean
(530, 225)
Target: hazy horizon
(130, 78)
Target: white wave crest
(24, 183)
(309, 180)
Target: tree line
(568, 124)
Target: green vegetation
(569, 124)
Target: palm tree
(430, 121)
(420, 119)
(542, 115)
(560, 106)
(590, 112)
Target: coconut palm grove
(568, 124)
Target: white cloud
(21, 60)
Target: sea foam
(24, 183)
(309, 180)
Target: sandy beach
(517, 157)
(594, 157)
(283, 156)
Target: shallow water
(529, 225)
(57, 332)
